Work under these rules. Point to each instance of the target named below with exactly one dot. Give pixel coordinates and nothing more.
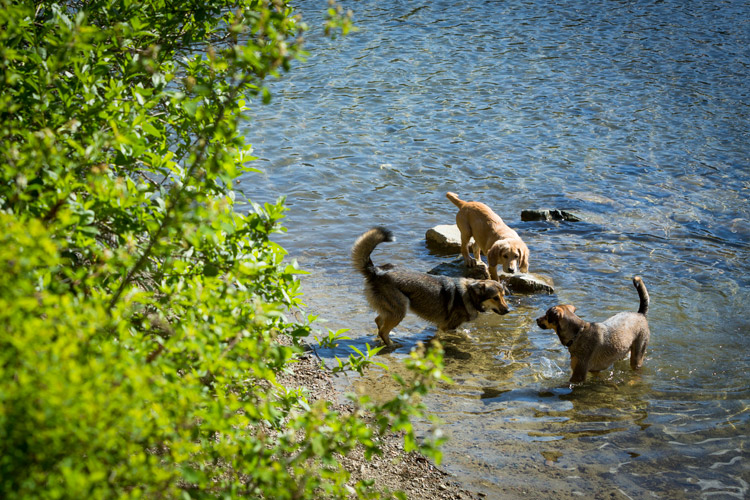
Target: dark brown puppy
(595, 346)
(444, 301)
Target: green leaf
(142, 319)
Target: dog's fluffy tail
(642, 293)
(364, 246)
(455, 199)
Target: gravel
(395, 469)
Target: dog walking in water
(446, 302)
(491, 235)
(595, 346)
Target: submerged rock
(548, 215)
(457, 269)
(516, 283)
(445, 238)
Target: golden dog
(491, 235)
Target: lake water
(635, 116)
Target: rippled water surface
(634, 115)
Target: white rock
(444, 238)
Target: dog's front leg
(637, 352)
(580, 369)
(492, 264)
(493, 273)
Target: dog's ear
(554, 314)
(485, 289)
(478, 287)
(477, 291)
(500, 287)
(569, 308)
(559, 312)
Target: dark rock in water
(527, 283)
(516, 283)
(445, 238)
(457, 269)
(548, 215)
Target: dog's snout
(501, 310)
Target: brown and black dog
(501, 244)
(595, 346)
(447, 302)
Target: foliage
(139, 312)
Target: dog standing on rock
(491, 235)
(444, 301)
(595, 346)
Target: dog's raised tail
(642, 293)
(455, 199)
(364, 246)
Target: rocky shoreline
(394, 470)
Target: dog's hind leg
(638, 352)
(386, 324)
(465, 240)
(477, 250)
(379, 324)
(391, 311)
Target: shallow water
(634, 115)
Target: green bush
(139, 313)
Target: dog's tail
(364, 246)
(642, 293)
(455, 199)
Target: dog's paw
(485, 270)
(478, 263)
(387, 349)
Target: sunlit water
(634, 115)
